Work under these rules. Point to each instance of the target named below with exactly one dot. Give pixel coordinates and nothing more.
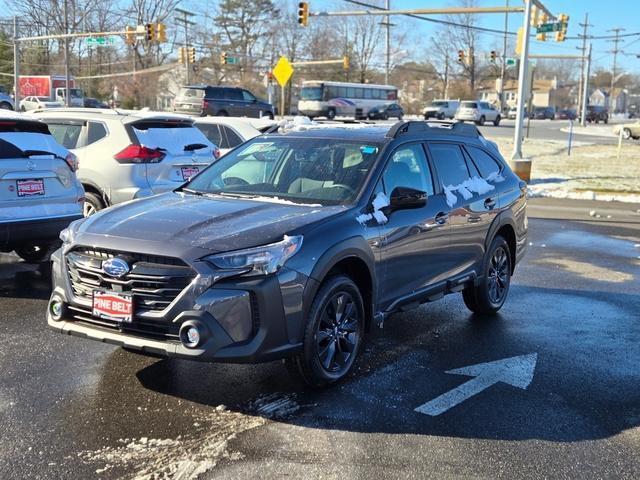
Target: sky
(603, 15)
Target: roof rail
(409, 127)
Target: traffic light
(130, 36)
(345, 62)
(519, 41)
(542, 36)
(181, 55)
(303, 13)
(161, 33)
(534, 16)
(223, 58)
(150, 32)
(493, 56)
(460, 56)
(192, 54)
(564, 23)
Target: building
(546, 93)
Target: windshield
(311, 93)
(191, 92)
(301, 170)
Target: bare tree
(365, 39)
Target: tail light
(72, 161)
(205, 105)
(139, 154)
(216, 153)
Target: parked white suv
(229, 132)
(129, 154)
(478, 112)
(39, 192)
(441, 109)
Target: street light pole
(186, 22)
(504, 58)
(585, 89)
(387, 6)
(67, 76)
(16, 65)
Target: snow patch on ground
(564, 191)
(379, 202)
(185, 457)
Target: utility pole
(387, 43)
(446, 78)
(185, 20)
(585, 89)
(16, 65)
(615, 52)
(584, 26)
(67, 76)
(503, 69)
(522, 81)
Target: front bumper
(244, 320)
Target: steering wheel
(349, 190)
(229, 181)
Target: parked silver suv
(126, 155)
(39, 192)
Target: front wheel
(488, 296)
(331, 114)
(496, 122)
(626, 133)
(92, 204)
(333, 334)
(481, 121)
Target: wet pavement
(72, 408)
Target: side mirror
(406, 197)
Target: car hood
(214, 224)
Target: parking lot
(74, 408)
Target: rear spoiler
(23, 125)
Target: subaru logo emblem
(31, 165)
(115, 267)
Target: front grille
(154, 281)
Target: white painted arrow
(516, 371)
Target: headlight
(259, 260)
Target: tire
(92, 204)
(441, 116)
(606, 120)
(496, 122)
(36, 253)
(385, 117)
(222, 113)
(482, 120)
(331, 114)
(6, 106)
(626, 133)
(487, 297)
(22, 109)
(317, 365)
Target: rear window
(66, 134)
(171, 137)
(191, 93)
(469, 105)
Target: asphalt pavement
(568, 406)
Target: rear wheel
(331, 114)
(496, 122)
(222, 113)
(481, 121)
(36, 253)
(6, 106)
(333, 334)
(626, 133)
(92, 204)
(489, 295)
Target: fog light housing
(56, 309)
(193, 334)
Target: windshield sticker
(257, 147)
(369, 150)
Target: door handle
(442, 218)
(489, 203)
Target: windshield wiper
(234, 195)
(194, 146)
(191, 191)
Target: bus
(331, 99)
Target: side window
(67, 135)
(97, 131)
(248, 96)
(212, 132)
(214, 92)
(484, 162)
(449, 163)
(408, 168)
(233, 139)
(351, 92)
(232, 94)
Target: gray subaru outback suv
(292, 245)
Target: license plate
(113, 306)
(30, 187)
(188, 172)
